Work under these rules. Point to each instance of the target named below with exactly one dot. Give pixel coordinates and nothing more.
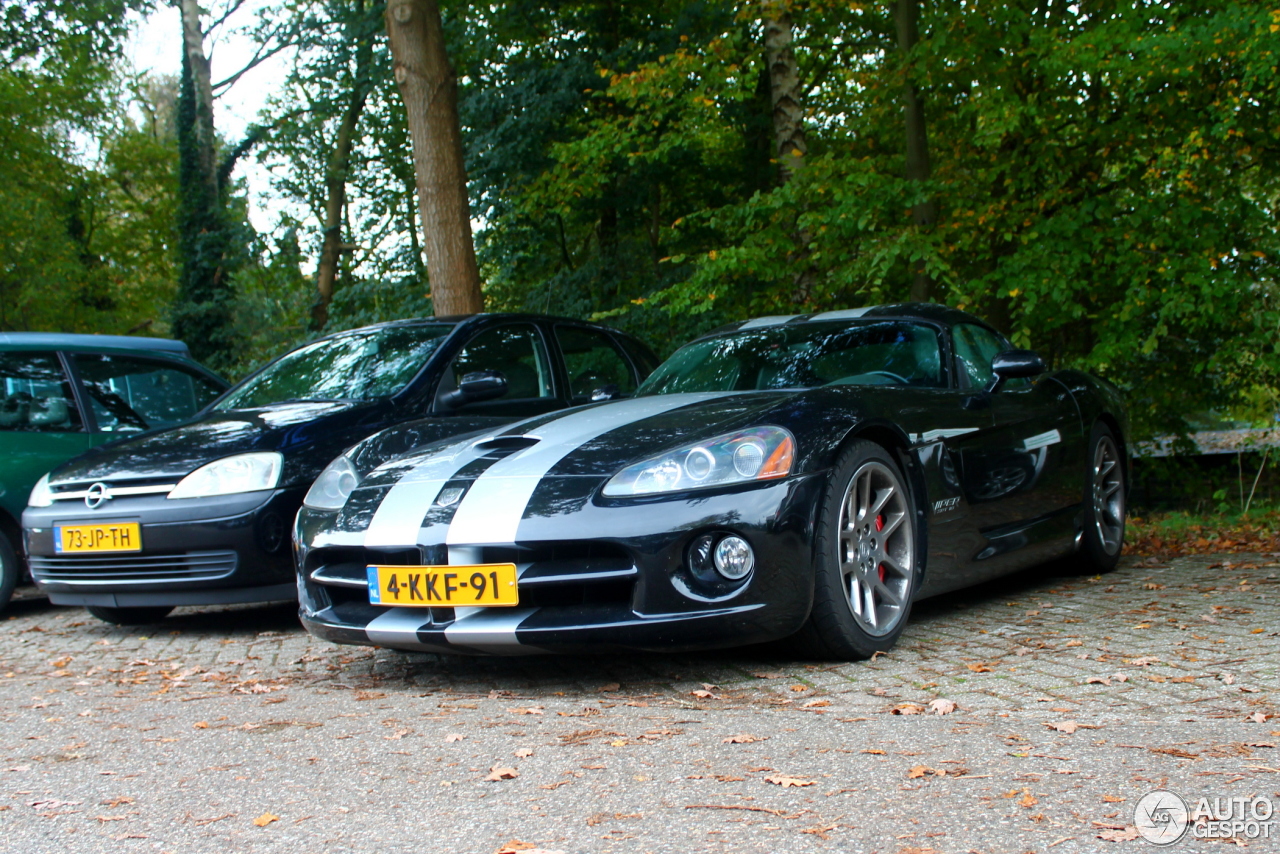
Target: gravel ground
(233, 730)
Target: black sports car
(814, 474)
(199, 513)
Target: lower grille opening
(137, 568)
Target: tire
(866, 566)
(10, 570)
(141, 616)
(1105, 492)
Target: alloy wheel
(877, 548)
(1108, 495)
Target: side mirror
(476, 386)
(606, 392)
(1015, 364)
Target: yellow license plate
(111, 537)
(488, 585)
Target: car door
(41, 423)
(519, 352)
(1025, 473)
(594, 365)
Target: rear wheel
(867, 554)
(130, 616)
(10, 570)
(1104, 501)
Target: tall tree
(906, 19)
(430, 91)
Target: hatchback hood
(314, 426)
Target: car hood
(320, 428)
(591, 441)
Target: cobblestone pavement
(233, 730)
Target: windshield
(358, 366)
(804, 355)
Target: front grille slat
(177, 566)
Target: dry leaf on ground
(980, 668)
(497, 773)
(907, 709)
(454, 736)
(265, 819)
(1064, 726)
(788, 782)
(524, 752)
(942, 707)
(744, 739)
(1258, 718)
(1127, 835)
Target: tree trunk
(906, 16)
(202, 82)
(784, 90)
(336, 183)
(786, 98)
(430, 93)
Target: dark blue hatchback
(200, 513)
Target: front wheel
(867, 556)
(1104, 501)
(10, 570)
(141, 616)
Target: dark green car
(62, 394)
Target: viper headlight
(41, 494)
(761, 453)
(242, 473)
(334, 486)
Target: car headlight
(334, 486)
(241, 473)
(761, 453)
(41, 494)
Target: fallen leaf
(744, 739)
(1113, 799)
(115, 802)
(201, 725)
(907, 709)
(1064, 726)
(875, 752)
(1098, 680)
(918, 771)
(454, 736)
(497, 773)
(788, 782)
(106, 818)
(799, 688)
(1258, 717)
(814, 704)
(941, 706)
(524, 752)
(265, 819)
(703, 694)
(1127, 835)
(532, 710)
(979, 668)
(1028, 800)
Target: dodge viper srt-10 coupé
(809, 475)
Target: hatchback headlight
(41, 494)
(229, 475)
(761, 453)
(334, 486)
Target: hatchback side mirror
(1015, 364)
(476, 386)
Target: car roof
(927, 311)
(83, 341)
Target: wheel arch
(12, 529)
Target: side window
(35, 395)
(128, 394)
(593, 361)
(514, 350)
(975, 347)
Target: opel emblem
(96, 494)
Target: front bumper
(199, 551)
(606, 576)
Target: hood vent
(504, 446)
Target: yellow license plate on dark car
(488, 585)
(109, 537)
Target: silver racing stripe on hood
(399, 515)
(491, 510)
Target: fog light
(733, 558)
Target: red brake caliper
(880, 527)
